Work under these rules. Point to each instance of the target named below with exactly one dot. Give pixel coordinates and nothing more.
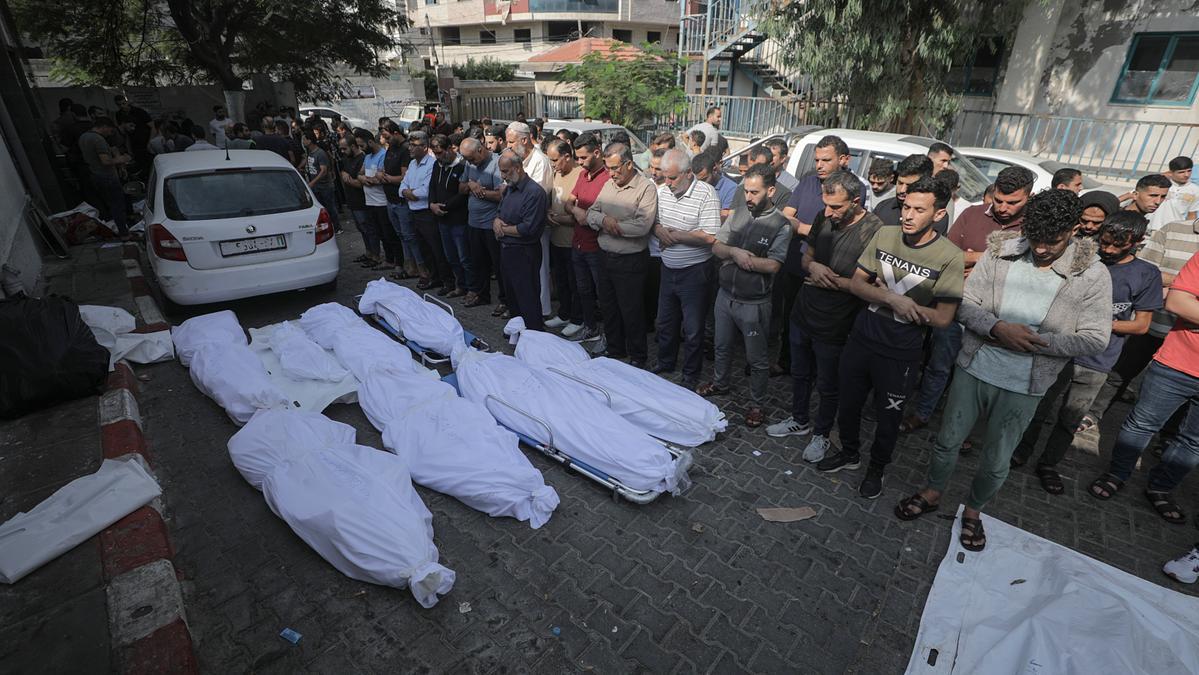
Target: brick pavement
(697, 583)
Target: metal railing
(1116, 148)
(756, 116)
(559, 107)
(497, 106)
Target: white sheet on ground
(219, 328)
(307, 358)
(1028, 605)
(360, 348)
(234, 377)
(357, 508)
(660, 408)
(417, 319)
(74, 513)
(581, 425)
(113, 328)
(455, 447)
(325, 321)
(273, 437)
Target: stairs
(728, 31)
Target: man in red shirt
(1171, 381)
(586, 255)
(1013, 187)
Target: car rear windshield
(234, 194)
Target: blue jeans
(587, 279)
(819, 361)
(401, 220)
(327, 196)
(947, 342)
(453, 240)
(1163, 391)
(113, 194)
(683, 302)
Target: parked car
(308, 112)
(866, 146)
(734, 163)
(606, 131)
(411, 111)
(222, 228)
(990, 162)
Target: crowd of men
(876, 292)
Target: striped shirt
(1170, 248)
(697, 209)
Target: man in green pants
(1037, 298)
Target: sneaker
(839, 460)
(788, 427)
(597, 346)
(872, 485)
(1184, 569)
(584, 334)
(571, 330)
(554, 322)
(817, 449)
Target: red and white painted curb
(146, 617)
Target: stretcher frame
(619, 490)
(428, 356)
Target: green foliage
(486, 68)
(431, 90)
(891, 56)
(633, 90)
(118, 42)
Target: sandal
(711, 389)
(904, 510)
(1109, 485)
(972, 533)
(1086, 424)
(911, 423)
(754, 418)
(1051, 480)
(1168, 510)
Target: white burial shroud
(581, 425)
(357, 346)
(305, 372)
(1028, 605)
(422, 322)
(660, 408)
(455, 447)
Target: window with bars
(1160, 69)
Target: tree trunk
(235, 104)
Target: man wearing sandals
(1136, 293)
(1036, 299)
(1171, 380)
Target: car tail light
(324, 227)
(166, 246)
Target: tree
(485, 68)
(891, 56)
(628, 84)
(119, 42)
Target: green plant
(486, 68)
(629, 84)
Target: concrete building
(515, 30)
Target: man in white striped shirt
(688, 219)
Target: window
(451, 35)
(977, 76)
(234, 194)
(1161, 68)
(486, 37)
(989, 167)
(653, 37)
(622, 35)
(523, 35)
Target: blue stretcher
(619, 490)
(428, 356)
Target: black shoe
(660, 369)
(840, 460)
(872, 485)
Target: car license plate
(253, 245)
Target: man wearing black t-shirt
(911, 169)
(825, 308)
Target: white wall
(17, 245)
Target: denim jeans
(683, 303)
(947, 342)
(1079, 384)
(327, 196)
(366, 226)
(484, 253)
(819, 361)
(1138, 351)
(453, 242)
(401, 221)
(1164, 391)
(587, 281)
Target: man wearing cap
(1097, 205)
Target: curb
(146, 616)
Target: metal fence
(559, 107)
(1117, 148)
(756, 116)
(505, 106)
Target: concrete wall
(18, 247)
(508, 50)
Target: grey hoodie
(1079, 320)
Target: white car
(326, 113)
(222, 228)
(606, 131)
(867, 146)
(991, 162)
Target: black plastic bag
(47, 355)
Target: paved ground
(697, 583)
